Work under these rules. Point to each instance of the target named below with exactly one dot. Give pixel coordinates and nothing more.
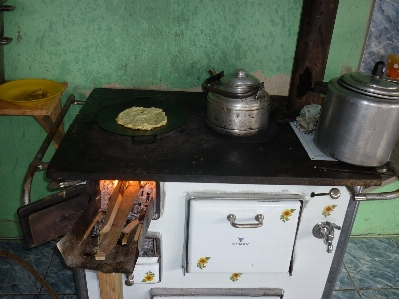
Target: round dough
(139, 118)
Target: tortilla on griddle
(140, 118)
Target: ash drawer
(241, 235)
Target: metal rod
(11, 238)
(377, 196)
(387, 169)
(37, 161)
(341, 248)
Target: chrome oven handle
(259, 218)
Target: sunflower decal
(149, 276)
(328, 210)
(235, 276)
(286, 214)
(202, 261)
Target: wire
(28, 267)
(7, 220)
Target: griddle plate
(175, 114)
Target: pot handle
(379, 69)
(321, 87)
(209, 88)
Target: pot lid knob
(240, 73)
(240, 79)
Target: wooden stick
(113, 206)
(137, 235)
(109, 239)
(128, 228)
(96, 219)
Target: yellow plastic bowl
(17, 91)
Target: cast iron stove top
(190, 153)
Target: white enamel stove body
(310, 260)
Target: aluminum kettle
(237, 104)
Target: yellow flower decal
(149, 276)
(202, 262)
(286, 214)
(327, 210)
(235, 276)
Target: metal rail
(37, 162)
(340, 250)
(376, 196)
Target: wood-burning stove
(280, 199)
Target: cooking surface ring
(175, 114)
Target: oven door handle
(259, 219)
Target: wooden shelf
(45, 112)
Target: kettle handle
(321, 87)
(213, 78)
(209, 88)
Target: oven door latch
(325, 230)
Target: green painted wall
(158, 44)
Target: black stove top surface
(192, 152)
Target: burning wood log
(112, 229)
(112, 208)
(108, 239)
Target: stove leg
(81, 283)
(341, 248)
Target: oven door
(53, 216)
(241, 235)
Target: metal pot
(237, 105)
(359, 121)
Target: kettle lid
(240, 79)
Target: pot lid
(240, 79)
(377, 86)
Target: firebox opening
(110, 233)
(122, 198)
